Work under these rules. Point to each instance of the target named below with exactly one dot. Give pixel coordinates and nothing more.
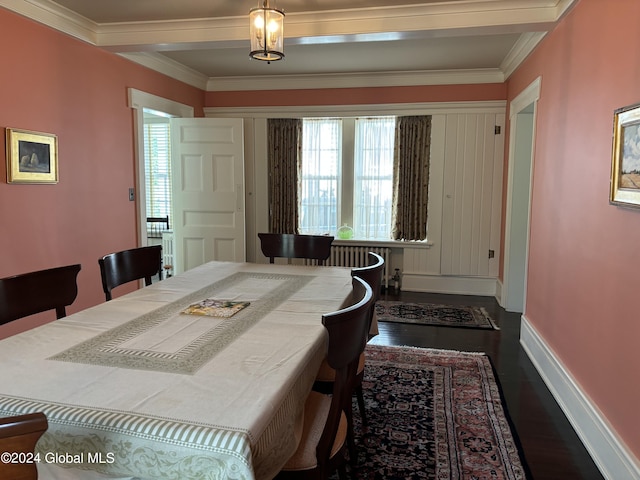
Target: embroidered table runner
(135, 387)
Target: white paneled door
(472, 190)
(208, 191)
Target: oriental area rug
(434, 415)
(433, 314)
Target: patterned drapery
(285, 146)
(411, 177)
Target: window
(319, 176)
(157, 164)
(373, 177)
(347, 176)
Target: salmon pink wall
(582, 294)
(56, 84)
(359, 96)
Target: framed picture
(625, 165)
(32, 157)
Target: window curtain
(411, 177)
(284, 149)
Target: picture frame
(625, 164)
(32, 157)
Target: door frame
(515, 270)
(139, 101)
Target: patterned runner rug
(435, 415)
(433, 314)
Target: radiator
(167, 252)
(357, 256)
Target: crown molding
(53, 15)
(168, 67)
(563, 7)
(424, 108)
(520, 51)
(355, 80)
(173, 69)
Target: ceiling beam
(399, 22)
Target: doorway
(520, 175)
(150, 108)
(207, 164)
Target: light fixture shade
(266, 33)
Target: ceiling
(327, 42)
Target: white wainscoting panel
(424, 261)
(449, 284)
(611, 456)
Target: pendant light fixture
(266, 27)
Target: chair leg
(360, 395)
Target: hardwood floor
(551, 448)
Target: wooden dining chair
(128, 265)
(372, 275)
(291, 245)
(323, 445)
(34, 292)
(19, 435)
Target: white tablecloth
(135, 388)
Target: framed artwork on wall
(32, 157)
(625, 165)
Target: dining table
(201, 375)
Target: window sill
(383, 243)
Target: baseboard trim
(498, 294)
(413, 282)
(612, 457)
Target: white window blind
(319, 179)
(157, 163)
(373, 177)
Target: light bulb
(272, 27)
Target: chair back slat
(128, 265)
(348, 331)
(290, 245)
(35, 292)
(372, 274)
